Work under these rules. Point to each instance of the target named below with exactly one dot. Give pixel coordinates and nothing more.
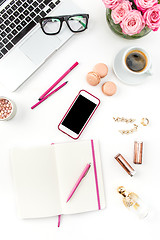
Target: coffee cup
(137, 61)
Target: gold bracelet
(129, 131)
(126, 120)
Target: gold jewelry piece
(129, 131)
(144, 121)
(129, 120)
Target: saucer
(123, 75)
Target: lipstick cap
(122, 161)
(138, 149)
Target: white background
(97, 44)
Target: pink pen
(63, 76)
(59, 220)
(83, 174)
(35, 105)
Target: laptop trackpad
(39, 46)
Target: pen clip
(87, 170)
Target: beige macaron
(101, 69)
(93, 78)
(109, 88)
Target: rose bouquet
(133, 18)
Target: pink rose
(132, 23)
(142, 5)
(119, 12)
(111, 3)
(152, 17)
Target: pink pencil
(63, 76)
(43, 99)
(83, 174)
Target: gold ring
(144, 121)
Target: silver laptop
(23, 45)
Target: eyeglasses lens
(51, 25)
(77, 23)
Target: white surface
(45, 175)
(97, 44)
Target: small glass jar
(7, 109)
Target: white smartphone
(79, 114)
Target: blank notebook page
(36, 182)
(71, 161)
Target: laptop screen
(1, 1)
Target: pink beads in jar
(7, 109)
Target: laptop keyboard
(18, 18)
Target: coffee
(136, 61)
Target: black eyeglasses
(53, 25)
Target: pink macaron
(93, 78)
(101, 69)
(109, 88)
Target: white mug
(147, 68)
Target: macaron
(109, 88)
(101, 69)
(93, 78)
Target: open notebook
(44, 176)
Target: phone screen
(79, 114)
